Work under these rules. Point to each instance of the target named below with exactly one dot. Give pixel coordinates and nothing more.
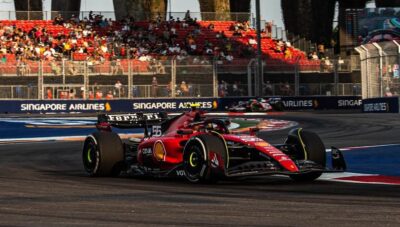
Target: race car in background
(258, 105)
(200, 149)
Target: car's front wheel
(309, 146)
(204, 159)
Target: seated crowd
(98, 39)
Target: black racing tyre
(103, 154)
(310, 147)
(278, 106)
(256, 107)
(196, 158)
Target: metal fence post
(336, 76)
(130, 80)
(366, 91)
(398, 51)
(86, 80)
(40, 81)
(173, 77)
(296, 79)
(63, 70)
(380, 68)
(215, 79)
(249, 77)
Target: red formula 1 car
(200, 149)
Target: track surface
(43, 184)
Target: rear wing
(131, 120)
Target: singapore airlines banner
(97, 106)
(169, 105)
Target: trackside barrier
(308, 103)
(100, 106)
(169, 105)
(381, 105)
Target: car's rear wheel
(278, 106)
(103, 154)
(256, 107)
(199, 159)
(309, 146)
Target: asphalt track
(43, 184)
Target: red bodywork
(173, 144)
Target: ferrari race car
(200, 149)
(258, 105)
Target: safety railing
(380, 69)
(18, 92)
(107, 92)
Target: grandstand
(64, 50)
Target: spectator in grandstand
(181, 57)
(312, 56)
(58, 20)
(209, 51)
(191, 90)
(184, 89)
(168, 89)
(321, 51)
(237, 33)
(72, 94)
(328, 66)
(48, 54)
(3, 59)
(222, 89)
(3, 64)
(196, 60)
(246, 51)
(90, 63)
(113, 66)
(285, 88)
(204, 61)
(135, 91)
(99, 94)
(145, 57)
(252, 41)
(388, 92)
(91, 95)
(160, 69)
(229, 58)
(268, 89)
(49, 93)
(154, 87)
(71, 70)
(55, 68)
(220, 35)
(91, 16)
(118, 88)
(109, 95)
(288, 54)
(187, 16)
(22, 68)
(246, 25)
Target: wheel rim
(89, 156)
(193, 159)
(193, 163)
